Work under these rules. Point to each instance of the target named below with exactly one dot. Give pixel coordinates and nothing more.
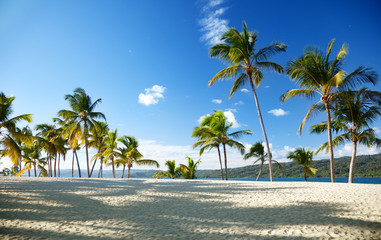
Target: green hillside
(366, 166)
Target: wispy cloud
(244, 90)
(212, 25)
(217, 101)
(238, 103)
(278, 112)
(151, 95)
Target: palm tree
(317, 75)
(304, 158)
(189, 172)
(218, 133)
(130, 155)
(8, 130)
(97, 140)
(82, 113)
(205, 133)
(111, 150)
(258, 151)
(238, 50)
(172, 172)
(354, 111)
(32, 156)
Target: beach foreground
(48, 208)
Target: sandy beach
(48, 208)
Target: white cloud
(238, 103)
(244, 90)
(151, 95)
(209, 160)
(278, 112)
(266, 86)
(212, 24)
(231, 118)
(217, 101)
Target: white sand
(47, 208)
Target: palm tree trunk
(219, 158)
(58, 165)
(72, 166)
(100, 173)
(91, 172)
(55, 165)
(263, 128)
(113, 167)
(226, 162)
(29, 172)
(124, 167)
(79, 168)
(86, 147)
(305, 174)
(329, 126)
(129, 171)
(260, 170)
(35, 170)
(352, 165)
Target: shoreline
(81, 208)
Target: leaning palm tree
(304, 158)
(238, 50)
(219, 133)
(189, 172)
(353, 112)
(130, 155)
(317, 75)
(8, 130)
(82, 113)
(258, 151)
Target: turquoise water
(369, 180)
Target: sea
(135, 174)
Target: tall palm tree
(82, 113)
(189, 172)
(130, 155)
(258, 151)
(304, 158)
(238, 50)
(353, 112)
(8, 130)
(317, 75)
(219, 133)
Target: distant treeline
(366, 166)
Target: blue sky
(149, 62)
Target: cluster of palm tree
(316, 75)
(73, 129)
(187, 172)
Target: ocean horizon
(66, 173)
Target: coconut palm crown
(9, 135)
(238, 50)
